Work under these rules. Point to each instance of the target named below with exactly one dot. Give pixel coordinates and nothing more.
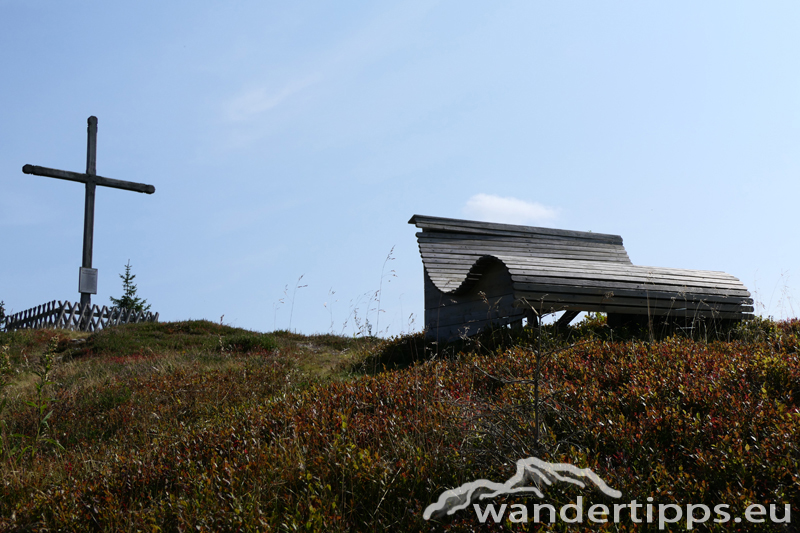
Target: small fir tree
(129, 300)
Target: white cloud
(491, 208)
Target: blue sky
(290, 139)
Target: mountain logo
(532, 473)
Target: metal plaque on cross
(87, 281)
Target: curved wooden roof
(559, 269)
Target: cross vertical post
(88, 213)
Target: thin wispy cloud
(384, 33)
(252, 102)
(492, 208)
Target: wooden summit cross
(87, 284)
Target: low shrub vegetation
(203, 427)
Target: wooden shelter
(479, 273)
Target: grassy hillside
(203, 427)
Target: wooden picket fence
(67, 315)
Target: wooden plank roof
(575, 270)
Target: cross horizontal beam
(88, 178)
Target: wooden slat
(580, 266)
(564, 234)
(653, 303)
(631, 282)
(600, 308)
(596, 270)
(526, 263)
(429, 253)
(455, 239)
(496, 307)
(533, 251)
(557, 252)
(464, 315)
(653, 292)
(471, 226)
(590, 266)
(532, 254)
(449, 333)
(588, 239)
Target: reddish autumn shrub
(252, 445)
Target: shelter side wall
(489, 301)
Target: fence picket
(66, 315)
